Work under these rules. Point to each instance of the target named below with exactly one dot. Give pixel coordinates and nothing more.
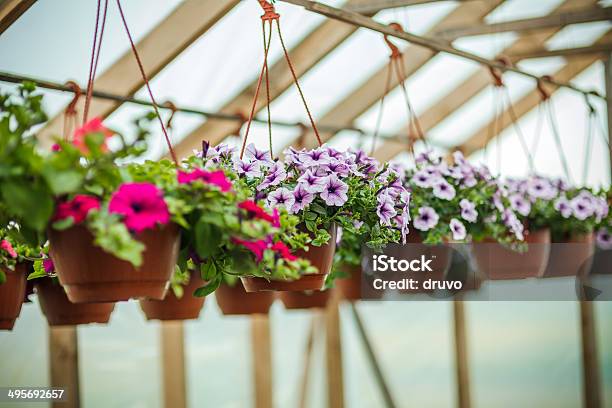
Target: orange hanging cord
(148, 86)
(70, 113)
(270, 16)
(415, 131)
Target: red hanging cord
(270, 15)
(95, 57)
(146, 81)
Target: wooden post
(262, 361)
(608, 80)
(64, 364)
(173, 364)
(591, 380)
(314, 326)
(461, 356)
(333, 353)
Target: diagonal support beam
(523, 106)
(312, 49)
(11, 10)
(414, 57)
(374, 6)
(475, 84)
(530, 24)
(603, 49)
(166, 41)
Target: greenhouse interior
(355, 203)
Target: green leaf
(39, 271)
(208, 270)
(2, 277)
(31, 202)
(63, 181)
(63, 224)
(209, 288)
(207, 239)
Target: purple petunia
(562, 205)
(468, 210)
(281, 196)
(312, 182)
(458, 229)
(423, 179)
(276, 175)
(604, 239)
(426, 219)
(386, 211)
(334, 191)
(511, 221)
(442, 189)
(539, 187)
(247, 168)
(263, 157)
(519, 204)
(582, 207)
(302, 198)
(315, 157)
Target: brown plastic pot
(12, 293)
(350, 288)
(188, 307)
(571, 256)
(497, 262)
(321, 258)
(59, 311)
(91, 275)
(234, 300)
(305, 300)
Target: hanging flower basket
(571, 256)
(59, 311)
(320, 257)
(305, 300)
(91, 275)
(498, 262)
(234, 300)
(186, 307)
(12, 293)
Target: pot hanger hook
(544, 93)
(269, 11)
(76, 89)
(395, 52)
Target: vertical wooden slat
(314, 326)
(461, 356)
(64, 364)
(262, 361)
(333, 352)
(608, 81)
(173, 364)
(591, 386)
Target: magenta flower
(216, 178)
(301, 199)
(77, 208)
(281, 196)
(48, 266)
(334, 191)
(458, 229)
(283, 251)
(141, 204)
(426, 219)
(8, 248)
(256, 247)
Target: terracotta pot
(90, 275)
(497, 262)
(12, 293)
(350, 288)
(572, 256)
(321, 258)
(305, 300)
(234, 300)
(172, 308)
(59, 311)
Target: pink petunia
(8, 248)
(93, 126)
(284, 251)
(48, 266)
(77, 208)
(216, 178)
(255, 211)
(256, 247)
(141, 204)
